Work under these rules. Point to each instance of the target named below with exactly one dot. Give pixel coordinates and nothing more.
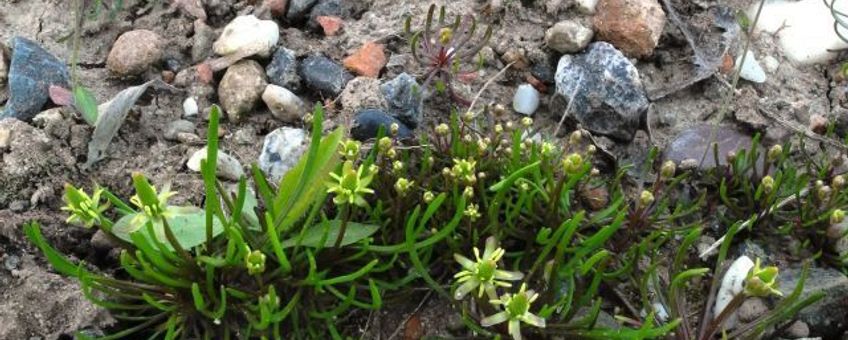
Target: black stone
(367, 123)
(298, 9)
(543, 72)
(282, 70)
(32, 71)
(323, 75)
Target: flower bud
(254, 261)
(731, 157)
(591, 149)
(527, 121)
(572, 164)
(393, 129)
(391, 153)
(442, 129)
(837, 216)
(384, 144)
(468, 193)
(402, 185)
(768, 184)
(824, 192)
(575, 138)
(428, 196)
(397, 166)
(646, 198)
(668, 169)
(838, 182)
(468, 116)
(509, 126)
(774, 153)
(498, 128)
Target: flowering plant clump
(516, 310)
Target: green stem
(345, 216)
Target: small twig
(416, 310)
(762, 215)
(488, 82)
(804, 131)
(570, 103)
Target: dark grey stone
(611, 99)
(282, 70)
(403, 94)
(367, 123)
(298, 9)
(691, 143)
(32, 71)
(324, 8)
(543, 72)
(324, 75)
(827, 318)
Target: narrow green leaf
(85, 102)
(312, 237)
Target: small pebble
(247, 35)
(569, 36)
(771, 64)
(245, 135)
(751, 70)
(281, 151)
(18, 206)
(323, 75)
(324, 8)
(403, 94)
(134, 53)
(282, 70)
(367, 123)
(190, 108)
(526, 100)
(284, 105)
(228, 167)
(241, 88)
(331, 25)
(173, 129)
(298, 9)
(798, 330)
(367, 61)
(752, 309)
(11, 262)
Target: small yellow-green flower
(428, 196)
(153, 211)
(350, 149)
(442, 129)
(350, 186)
(774, 153)
(464, 170)
(572, 164)
(254, 261)
(768, 184)
(646, 198)
(527, 121)
(668, 169)
(472, 212)
(547, 149)
(402, 185)
(483, 274)
(516, 310)
(762, 282)
(837, 216)
(397, 166)
(83, 208)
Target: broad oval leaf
(86, 104)
(354, 232)
(187, 223)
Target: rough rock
(282, 70)
(247, 35)
(284, 105)
(804, 28)
(367, 123)
(298, 9)
(330, 25)
(633, 26)
(227, 167)
(134, 53)
(241, 88)
(752, 309)
(175, 128)
(324, 8)
(691, 143)
(569, 36)
(611, 99)
(404, 97)
(827, 318)
(281, 151)
(53, 122)
(362, 92)
(367, 61)
(202, 40)
(31, 73)
(526, 100)
(323, 75)
(30, 156)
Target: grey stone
(360, 93)
(11, 262)
(691, 143)
(227, 166)
(752, 309)
(367, 123)
(281, 151)
(324, 8)
(241, 88)
(324, 75)
(404, 96)
(32, 71)
(202, 40)
(611, 99)
(134, 53)
(284, 105)
(298, 9)
(828, 317)
(797, 330)
(282, 70)
(543, 72)
(175, 128)
(568, 36)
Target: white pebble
(228, 167)
(751, 70)
(284, 105)
(526, 100)
(247, 35)
(190, 108)
(732, 284)
(771, 64)
(586, 6)
(804, 28)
